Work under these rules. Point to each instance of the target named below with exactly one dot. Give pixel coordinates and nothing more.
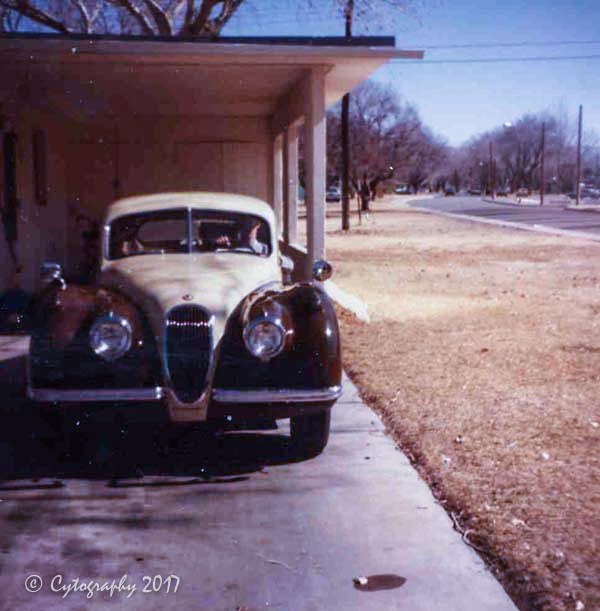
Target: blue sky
(461, 100)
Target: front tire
(310, 433)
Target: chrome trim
(275, 395)
(165, 352)
(106, 241)
(250, 327)
(190, 231)
(96, 394)
(120, 320)
(321, 270)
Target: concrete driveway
(240, 521)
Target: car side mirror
(321, 270)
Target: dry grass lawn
(483, 356)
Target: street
(549, 215)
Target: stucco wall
(90, 164)
(41, 229)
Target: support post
(345, 163)
(349, 10)
(578, 177)
(315, 131)
(492, 178)
(290, 185)
(542, 172)
(278, 182)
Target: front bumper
(95, 395)
(264, 395)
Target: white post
(278, 181)
(316, 161)
(290, 185)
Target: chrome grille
(188, 350)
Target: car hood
(215, 281)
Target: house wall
(92, 163)
(41, 229)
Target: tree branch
(198, 24)
(25, 8)
(189, 15)
(160, 17)
(137, 15)
(229, 8)
(85, 18)
(95, 15)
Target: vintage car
(190, 310)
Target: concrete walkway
(254, 531)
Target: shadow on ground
(93, 442)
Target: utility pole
(542, 178)
(578, 177)
(345, 135)
(491, 176)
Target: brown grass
(483, 356)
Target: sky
(461, 100)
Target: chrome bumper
(265, 395)
(272, 395)
(98, 394)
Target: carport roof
(91, 76)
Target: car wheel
(310, 432)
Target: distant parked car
(333, 194)
(586, 192)
(590, 192)
(402, 190)
(502, 191)
(474, 191)
(449, 190)
(523, 192)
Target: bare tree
(183, 18)
(388, 140)
(518, 149)
(366, 15)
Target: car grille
(188, 350)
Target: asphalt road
(235, 522)
(551, 215)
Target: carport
(87, 120)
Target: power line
(498, 60)
(514, 44)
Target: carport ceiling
(144, 78)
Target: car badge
(187, 297)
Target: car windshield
(178, 231)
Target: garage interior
(85, 121)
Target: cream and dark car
(190, 312)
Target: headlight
(110, 337)
(264, 338)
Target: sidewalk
(397, 525)
(294, 534)
(552, 200)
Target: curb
(504, 202)
(564, 206)
(582, 208)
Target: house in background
(86, 120)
